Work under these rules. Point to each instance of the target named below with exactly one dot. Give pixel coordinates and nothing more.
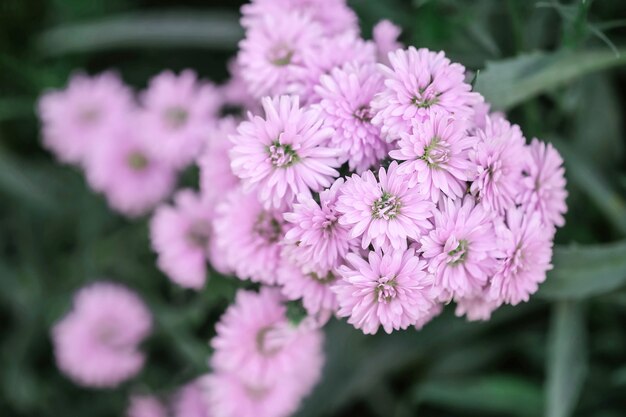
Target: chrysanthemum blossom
(146, 406)
(346, 95)
(178, 112)
(435, 155)
(419, 82)
(283, 154)
(478, 307)
(386, 36)
(180, 235)
(434, 311)
(543, 186)
(127, 172)
(248, 237)
(216, 176)
(315, 240)
(390, 289)
(256, 342)
(384, 211)
(96, 343)
(499, 158)
(273, 48)
(311, 287)
(90, 109)
(461, 250)
(191, 401)
(528, 251)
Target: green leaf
(567, 359)
(510, 82)
(585, 271)
(497, 394)
(215, 30)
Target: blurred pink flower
(191, 401)
(146, 406)
(478, 307)
(386, 36)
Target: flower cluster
(367, 181)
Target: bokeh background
(558, 68)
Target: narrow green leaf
(509, 82)
(585, 271)
(497, 394)
(567, 359)
(215, 30)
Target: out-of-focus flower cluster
(366, 180)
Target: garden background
(558, 68)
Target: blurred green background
(557, 68)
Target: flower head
(146, 406)
(346, 95)
(314, 289)
(383, 212)
(419, 82)
(388, 289)
(96, 344)
(543, 186)
(461, 250)
(435, 156)
(90, 109)
(190, 401)
(386, 36)
(478, 307)
(283, 154)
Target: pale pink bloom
(248, 237)
(499, 156)
(527, 247)
(180, 236)
(178, 111)
(311, 287)
(146, 406)
(273, 48)
(388, 289)
(386, 36)
(229, 396)
(418, 82)
(435, 155)
(316, 241)
(331, 52)
(90, 109)
(191, 401)
(543, 187)
(216, 177)
(256, 342)
(383, 212)
(97, 343)
(461, 249)
(435, 310)
(284, 154)
(346, 94)
(334, 16)
(476, 308)
(127, 172)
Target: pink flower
(434, 311)
(177, 115)
(436, 157)
(386, 36)
(180, 235)
(476, 308)
(248, 237)
(216, 177)
(383, 212)
(462, 248)
(499, 157)
(543, 187)
(312, 288)
(273, 48)
(256, 342)
(528, 251)
(126, 171)
(389, 289)
(90, 109)
(418, 82)
(190, 401)
(316, 241)
(283, 154)
(96, 343)
(346, 94)
(146, 406)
